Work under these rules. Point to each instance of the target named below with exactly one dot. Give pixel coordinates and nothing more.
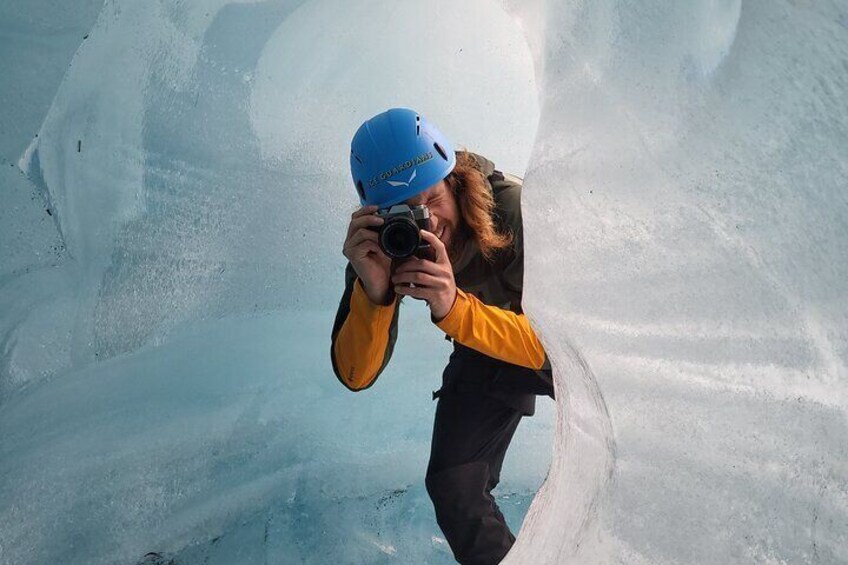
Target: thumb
(439, 251)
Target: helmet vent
(355, 156)
(441, 151)
(360, 190)
(417, 125)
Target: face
(445, 217)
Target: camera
(400, 234)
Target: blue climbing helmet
(396, 155)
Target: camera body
(400, 234)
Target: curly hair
(476, 205)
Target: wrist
(386, 299)
(438, 319)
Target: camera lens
(399, 237)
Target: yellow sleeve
(362, 346)
(493, 331)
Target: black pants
(471, 433)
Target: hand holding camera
(399, 236)
(432, 281)
(362, 249)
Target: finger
(436, 244)
(408, 264)
(360, 236)
(417, 265)
(418, 292)
(364, 221)
(370, 247)
(418, 279)
(370, 209)
(363, 249)
(359, 251)
(365, 211)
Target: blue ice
(175, 196)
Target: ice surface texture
(164, 373)
(686, 213)
(166, 378)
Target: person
(472, 284)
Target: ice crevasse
(175, 198)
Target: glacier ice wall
(165, 382)
(687, 213)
